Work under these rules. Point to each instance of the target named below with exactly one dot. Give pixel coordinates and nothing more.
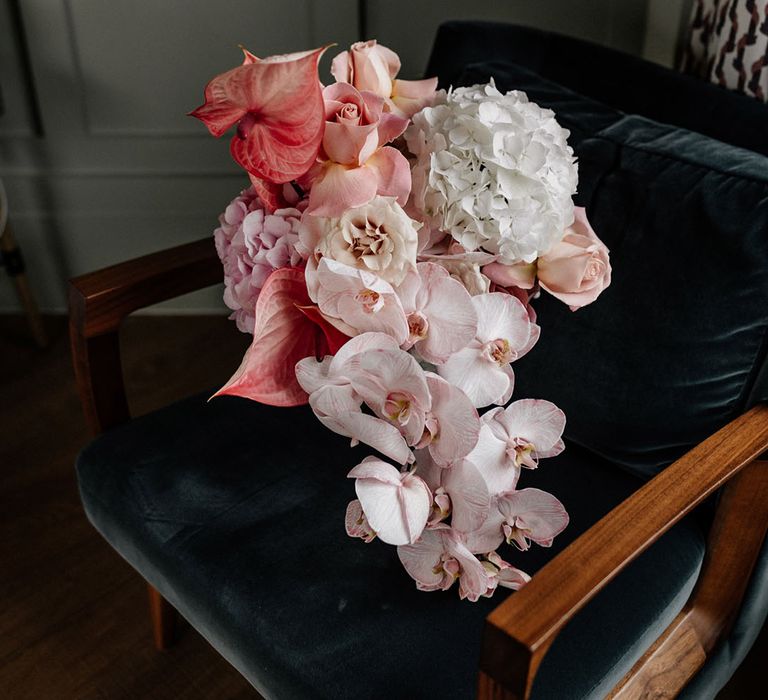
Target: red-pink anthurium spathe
(277, 104)
(288, 329)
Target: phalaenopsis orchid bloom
(388, 284)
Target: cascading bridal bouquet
(384, 259)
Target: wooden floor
(73, 619)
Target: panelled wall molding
(101, 162)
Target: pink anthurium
(531, 429)
(440, 557)
(396, 504)
(277, 104)
(285, 332)
(441, 316)
(504, 334)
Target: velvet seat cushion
(676, 347)
(235, 512)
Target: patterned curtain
(728, 44)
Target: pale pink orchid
(439, 558)
(337, 405)
(441, 317)
(503, 573)
(357, 301)
(356, 524)
(490, 457)
(459, 491)
(394, 387)
(286, 331)
(504, 334)
(519, 518)
(452, 425)
(371, 66)
(530, 428)
(277, 104)
(396, 504)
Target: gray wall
(100, 162)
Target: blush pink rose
(355, 124)
(577, 269)
(372, 67)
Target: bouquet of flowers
(384, 259)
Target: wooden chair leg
(15, 266)
(163, 616)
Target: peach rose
(577, 269)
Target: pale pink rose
(577, 269)
(504, 334)
(373, 67)
(440, 557)
(356, 164)
(355, 124)
(377, 237)
(396, 504)
(252, 244)
(441, 317)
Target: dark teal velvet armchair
(232, 511)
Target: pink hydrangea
(251, 245)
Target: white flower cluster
(494, 171)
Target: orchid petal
(396, 504)
(459, 424)
(535, 515)
(411, 96)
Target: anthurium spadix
(396, 504)
(277, 104)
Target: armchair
(231, 510)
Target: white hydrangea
(494, 171)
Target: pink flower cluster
(393, 332)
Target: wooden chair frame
(520, 630)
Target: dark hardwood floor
(73, 622)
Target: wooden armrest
(519, 632)
(98, 303)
